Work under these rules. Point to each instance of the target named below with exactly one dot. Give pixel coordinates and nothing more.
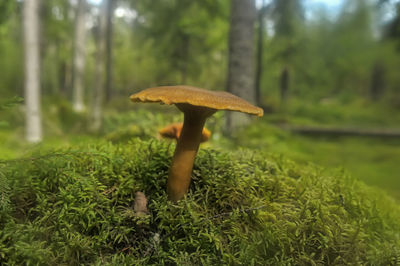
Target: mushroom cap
(218, 100)
(173, 131)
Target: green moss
(76, 207)
(374, 161)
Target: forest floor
(375, 161)
(76, 206)
(260, 195)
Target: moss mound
(76, 207)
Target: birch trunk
(79, 57)
(241, 58)
(98, 91)
(32, 71)
(109, 49)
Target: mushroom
(197, 105)
(173, 131)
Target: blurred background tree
(33, 114)
(240, 79)
(79, 56)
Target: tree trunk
(98, 91)
(109, 46)
(32, 71)
(260, 41)
(79, 57)
(241, 58)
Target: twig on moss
(110, 190)
(124, 249)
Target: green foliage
(7, 104)
(4, 197)
(76, 207)
(10, 103)
(140, 122)
(288, 14)
(331, 56)
(60, 119)
(6, 9)
(11, 77)
(175, 33)
(57, 31)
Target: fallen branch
(332, 131)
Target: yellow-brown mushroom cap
(218, 100)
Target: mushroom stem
(185, 152)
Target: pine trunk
(241, 58)
(32, 71)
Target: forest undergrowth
(75, 206)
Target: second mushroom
(173, 131)
(197, 105)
